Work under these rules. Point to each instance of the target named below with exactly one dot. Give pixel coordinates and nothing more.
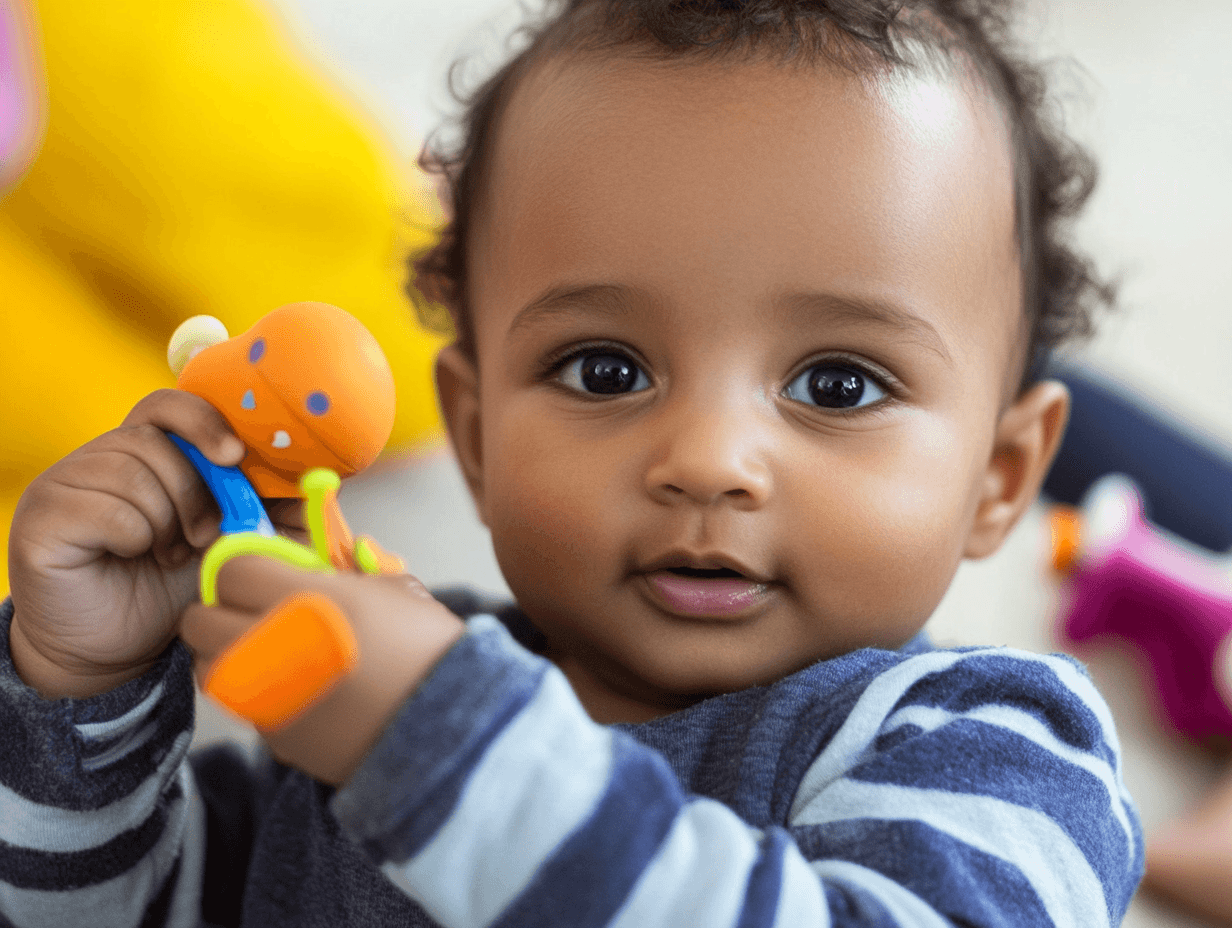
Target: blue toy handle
(241, 506)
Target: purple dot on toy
(318, 403)
(248, 401)
(257, 351)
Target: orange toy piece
(307, 386)
(286, 662)
(1065, 524)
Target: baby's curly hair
(1054, 174)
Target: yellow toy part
(195, 162)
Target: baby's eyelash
(882, 377)
(551, 366)
(890, 387)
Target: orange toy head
(307, 386)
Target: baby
(751, 300)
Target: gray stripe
(39, 827)
(120, 902)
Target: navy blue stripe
(1005, 680)
(750, 749)
(623, 835)
(226, 784)
(399, 799)
(976, 758)
(851, 907)
(960, 882)
(765, 887)
(45, 870)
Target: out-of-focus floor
(1153, 97)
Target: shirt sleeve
(493, 800)
(100, 821)
(973, 786)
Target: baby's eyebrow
(606, 299)
(618, 299)
(835, 307)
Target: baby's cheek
(886, 551)
(550, 517)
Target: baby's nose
(708, 455)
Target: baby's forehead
(884, 169)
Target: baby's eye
(834, 386)
(604, 372)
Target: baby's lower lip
(706, 598)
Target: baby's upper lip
(709, 560)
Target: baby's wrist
(52, 680)
(332, 738)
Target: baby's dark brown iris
(835, 387)
(608, 373)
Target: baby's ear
(1027, 438)
(457, 385)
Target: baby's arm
(493, 800)
(983, 784)
(99, 820)
(100, 823)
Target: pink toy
(1172, 601)
(18, 107)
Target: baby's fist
(401, 633)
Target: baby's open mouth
(706, 592)
(706, 573)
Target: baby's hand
(401, 630)
(105, 547)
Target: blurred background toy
(1167, 598)
(1146, 554)
(195, 161)
(1147, 562)
(22, 107)
(1184, 477)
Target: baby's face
(743, 334)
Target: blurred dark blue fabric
(1185, 479)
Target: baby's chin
(677, 681)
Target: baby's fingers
(288, 517)
(193, 419)
(142, 467)
(101, 499)
(209, 630)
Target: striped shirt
(921, 787)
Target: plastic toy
(305, 387)
(1169, 599)
(309, 392)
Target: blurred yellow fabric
(195, 161)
